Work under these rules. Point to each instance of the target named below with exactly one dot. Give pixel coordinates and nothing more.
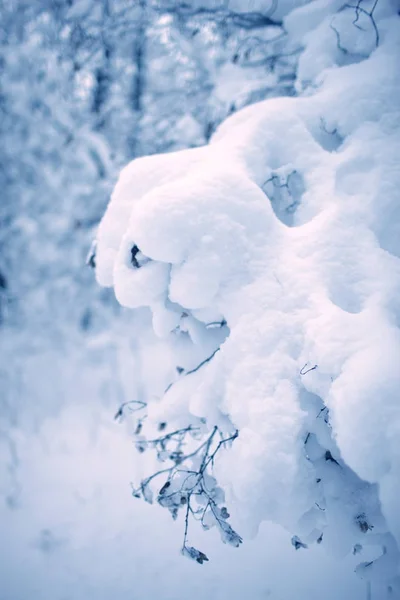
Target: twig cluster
(369, 13)
(187, 482)
(358, 11)
(284, 191)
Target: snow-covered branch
(277, 230)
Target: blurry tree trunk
(103, 76)
(139, 80)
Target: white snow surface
(287, 226)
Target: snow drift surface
(286, 231)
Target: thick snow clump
(279, 244)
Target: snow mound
(285, 231)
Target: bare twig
(138, 406)
(187, 480)
(304, 372)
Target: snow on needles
(285, 230)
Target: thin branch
(139, 406)
(204, 362)
(304, 372)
